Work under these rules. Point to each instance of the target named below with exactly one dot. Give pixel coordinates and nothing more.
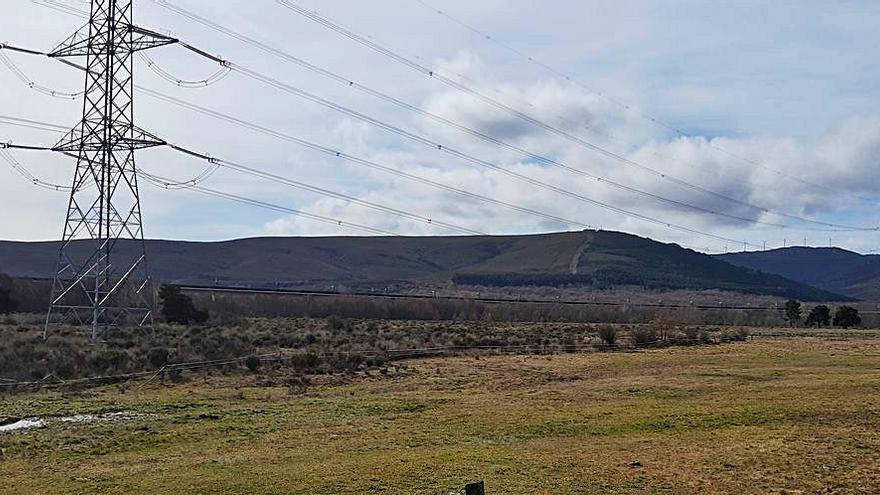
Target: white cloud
(732, 94)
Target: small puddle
(31, 423)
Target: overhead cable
(625, 106)
(24, 172)
(281, 135)
(311, 15)
(164, 182)
(238, 167)
(217, 76)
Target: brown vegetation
(302, 345)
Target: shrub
(298, 384)
(252, 363)
(158, 357)
(335, 324)
(608, 335)
(109, 360)
(643, 336)
(663, 327)
(7, 305)
(694, 335)
(734, 335)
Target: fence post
(475, 488)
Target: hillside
(833, 269)
(595, 259)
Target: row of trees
(820, 315)
(179, 308)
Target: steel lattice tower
(95, 283)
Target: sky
(724, 124)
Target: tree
(177, 307)
(819, 316)
(847, 316)
(792, 312)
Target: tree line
(177, 307)
(821, 316)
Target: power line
(216, 163)
(216, 77)
(353, 159)
(480, 135)
(162, 182)
(203, 176)
(432, 144)
(60, 7)
(630, 108)
(36, 87)
(193, 183)
(32, 124)
(280, 85)
(238, 167)
(311, 15)
(533, 181)
(24, 172)
(183, 184)
(281, 135)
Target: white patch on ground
(91, 418)
(30, 423)
(24, 424)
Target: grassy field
(792, 415)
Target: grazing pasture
(784, 414)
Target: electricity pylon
(95, 282)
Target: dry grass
(794, 415)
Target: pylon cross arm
(136, 138)
(80, 45)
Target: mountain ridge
(834, 269)
(598, 259)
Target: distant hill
(595, 259)
(837, 270)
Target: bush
(734, 335)
(643, 336)
(298, 384)
(608, 335)
(7, 305)
(693, 335)
(252, 363)
(109, 360)
(158, 357)
(663, 327)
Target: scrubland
(784, 412)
